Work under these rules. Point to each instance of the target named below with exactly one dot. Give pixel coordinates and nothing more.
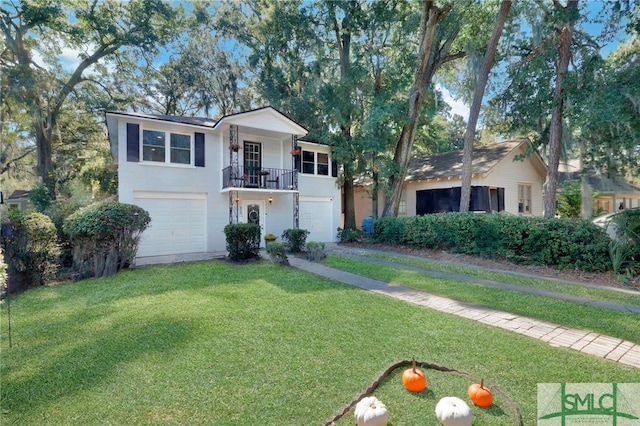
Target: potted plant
(269, 238)
(296, 150)
(234, 146)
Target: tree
(433, 51)
(97, 30)
(483, 76)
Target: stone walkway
(610, 348)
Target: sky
(69, 59)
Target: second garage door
(316, 216)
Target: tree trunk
(428, 62)
(481, 84)
(349, 204)
(555, 137)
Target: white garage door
(316, 216)
(178, 223)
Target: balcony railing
(259, 178)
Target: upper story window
(316, 163)
(156, 145)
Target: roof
(208, 122)
(19, 194)
(449, 164)
(599, 182)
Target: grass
(619, 324)
(215, 343)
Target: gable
(267, 118)
(486, 159)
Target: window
(524, 199)
(323, 164)
(308, 162)
(316, 163)
(402, 207)
(155, 146)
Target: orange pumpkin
(480, 395)
(413, 379)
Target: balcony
(259, 178)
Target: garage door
(316, 216)
(178, 223)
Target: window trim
(328, 164)
(525, 199)
(168, 148)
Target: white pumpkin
(371, 412)
(452, 411)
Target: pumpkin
(371, 412)
(452, 411)
(413, 379)
(480, 395)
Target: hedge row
(561, 243)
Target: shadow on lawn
(88, 365)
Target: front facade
(194, 176)
(501, 182)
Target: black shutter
(133, 142)
(334, 168)
(199, 150)
(500, 199)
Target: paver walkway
(607, 347)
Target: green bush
(278, 253)
(349, 235)
(31, 251)
(105, 237)
(625, 248)
(243, 241)
(315, 251)
(295, 239)
(58, 211)
(562, 243)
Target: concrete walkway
(607, 347)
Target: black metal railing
(261, 178)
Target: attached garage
(316, 216)
(178, 223)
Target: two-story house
(196, 175)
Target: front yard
(217, 343)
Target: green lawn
(256, 344)
(614, 323)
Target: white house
(505, 178)
(196, 175)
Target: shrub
(315, 251)
(625, 248)
(563, 243)
(105, 237)
(58, 211)
(31, 251)
(243, 241)
(349, 235)
(278, 253)
(295, 239)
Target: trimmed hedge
(105, 237)
(243, 241)
(31, 251)
(561, 243)
(295, 239)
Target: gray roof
(599, 182)
(449, 164)
(196, 121)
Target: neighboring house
(500, 183)
(613, 192)
(19, 199)
(196, 175)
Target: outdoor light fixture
(270, 199)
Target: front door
(255, 213)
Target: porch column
(296, 210)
